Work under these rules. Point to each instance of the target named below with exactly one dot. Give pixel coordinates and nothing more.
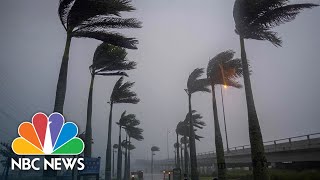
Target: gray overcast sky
(177, 37)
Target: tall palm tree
(121, 93)
(153, 150)
(115, 147)
(125, 120)
(96, 20)
(108, 60)
(195, 84)
(222, 70)
(255, 20)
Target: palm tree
(125, 121)
(115, 146)
(108, 60)
(222, 70)
(8, 154)
(153, 150)
(121, 93)
(185, 141)
(128, 146)
(133, 132)
(92, 19)
(177, 146)
(194, 85)
(183, 129)
(255, 20)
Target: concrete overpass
(298, 149)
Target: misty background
(177, 37)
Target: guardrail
(275, 142)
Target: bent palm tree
(194, 85)
(255, 20)
(183, 129)
(222, 70)
(92, 19)
(108, 60)
(133, 133)
(121, 93)
(125, 121)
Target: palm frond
(83, 10)
(135, 133)
(195, 84)
(255, 19)
(224, 69)
(63, 10)
(281, 14)
(155, 148)
(122, 93)
(109, 58)
(113, 38)
(103, 22)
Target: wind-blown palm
(129, 123)
(195, 84)
(108, 60)
(92, 19)
(183, 129)
(222, 70)
(133, 133)
(121, 93)
(255, 20)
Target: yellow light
(225, 86)
(169, 173)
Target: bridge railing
(289, 140)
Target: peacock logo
(48, 136)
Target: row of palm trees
(253, 20)
(97, 20)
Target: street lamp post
(224, 116)
(168, 142)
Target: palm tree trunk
(186, 158)
(178, 158)
(62, 80)
(108, 153)
(259, 161)
(60, 92)
(119, 160)
(125, 177)
(113, 162)
(218, 139)
(152, 165)
(181, 157)
(193, 152)
(88, 133)
(129, 160)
